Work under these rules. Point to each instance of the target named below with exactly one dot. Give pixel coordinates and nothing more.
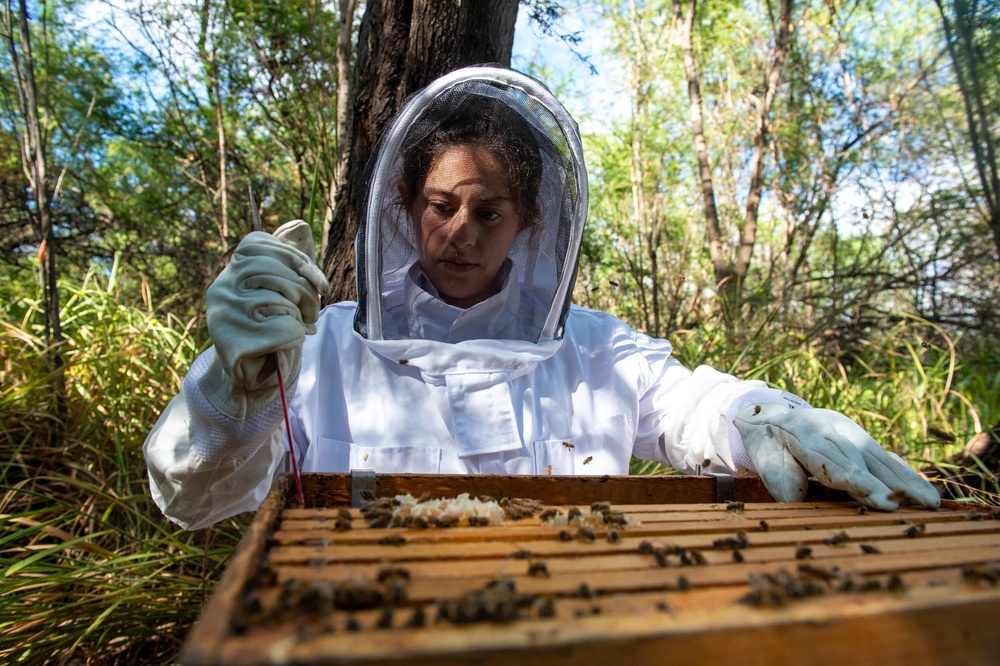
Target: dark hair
(485, 122)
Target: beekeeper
(463, 354)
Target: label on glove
(792, 401)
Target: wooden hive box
(687, 580)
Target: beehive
(748, 581)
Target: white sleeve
(686, 417)
(204, 466)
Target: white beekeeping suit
(520, 382)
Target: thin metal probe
(257, 226)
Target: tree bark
(344, 51)
(403, 45)
(731, 272)
(961, 40)
(35, 163)
(720, 263)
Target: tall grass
(90, 572)
(917, 390)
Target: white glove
(264, 302)
(786, 445)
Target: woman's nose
(462, 232)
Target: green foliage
(870, 290)
(915, 389)
(89, 568)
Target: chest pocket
(605, 449)
(331, 455)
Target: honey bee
(404, 361)
(353, 624)
(585, 591)
(803, 553)
(568, 445)
(394, 540)
(735, 506)
(614, 537)
(697, 558)
(614, 283)
(586, 534)
(444, 521)
(548, 470)
(756, 409)
(564, 535)
(737, 555)
(764, 527)
(869, 549)
(981, 574)
(384, 619)
(587, 460)
(862, 510)
(683, 584)
(538, 569)
(418, 619)
(898, 496)
(546, 607)
(915, 530)
(390, 573)
(925, 344)
(548, 514)
(837, 539)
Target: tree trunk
(347, 10)
(35, 164)
(730, 272)
(33, 157)
(403, 45)
(720, 263)
(960, 35)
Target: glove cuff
(217, 435)
(242, 404)
(765, 396)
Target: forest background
(801, 192)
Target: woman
(463, 354)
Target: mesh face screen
(478, 186)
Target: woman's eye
(489, 215)
(439, 206)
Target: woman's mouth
(457, 265)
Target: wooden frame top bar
(913, 585)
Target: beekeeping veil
(543, 257)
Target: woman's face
(465, 221)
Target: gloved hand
(264, 302)
(786, 445)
